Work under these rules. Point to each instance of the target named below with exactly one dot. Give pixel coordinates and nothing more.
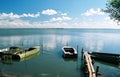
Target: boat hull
(69, 52)
(9, 51)
(111, 58)
(27, 53)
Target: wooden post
(82, 54)
(97, 69)
(77, 50)
(93, 61)
(42, 48)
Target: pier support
(97, 69)
(82, 54)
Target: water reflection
(7, 59)
(10, 74)
(52, 41)
(49, 42)
(69, 60)
(96, 46)
(65, 40)
(108, 64)
(93, 44)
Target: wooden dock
(89, 64)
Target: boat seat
(69, 50)
(30, 49)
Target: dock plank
(89, 65)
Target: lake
(49, 62)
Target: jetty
(88, 65)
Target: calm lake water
(49, 62)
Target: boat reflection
(70, 59)
(9, 61)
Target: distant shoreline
(67, 28)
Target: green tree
(113, 8)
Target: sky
(54, 14)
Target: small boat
(26, 53)
(6, 54)
(27, 58)
(107, 57)
(10, 50)
(69, 52)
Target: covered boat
(26, 53)
(69, 52)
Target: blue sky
(54, 14)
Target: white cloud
(92, 11)
(19, 23)
(96, 24)
(16, 16)
(107, 18)
(64, 14)
(49, 12)
(56, 19)
(55, 22)
(31, 15)
(66, 18)
(14, 24)
(63, 18)
(9, 15)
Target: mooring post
(42, 48)
(97, 69)
(77, 48)
(82, 54)
(93, 61)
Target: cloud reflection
(49, 42)
(52, 41)
(5, 41)
(99, 46)
(65, 40)
(94, 45)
